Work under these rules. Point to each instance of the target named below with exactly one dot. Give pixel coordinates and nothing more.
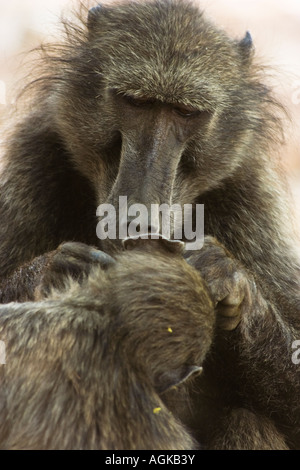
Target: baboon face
(162, 111)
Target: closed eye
(187, 111)
(139, 102)
(182, 110)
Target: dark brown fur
(108, 119)
(86, 367)
(93, 366)
(241, 429)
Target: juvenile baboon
(151, 101)
(93, 366)
(86, 367)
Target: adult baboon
(151, 101)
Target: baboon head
(166, 318)
(157, 104)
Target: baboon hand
(73, 259)
(227, 280)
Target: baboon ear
(246, 46)
(93, 16)
(174, 378)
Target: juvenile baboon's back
(86, 367)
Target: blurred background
(274, 26)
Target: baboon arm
(256, 357)
(21, 285)
(44, 202)
(241, 429)
(34, 280)
(262, 367)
